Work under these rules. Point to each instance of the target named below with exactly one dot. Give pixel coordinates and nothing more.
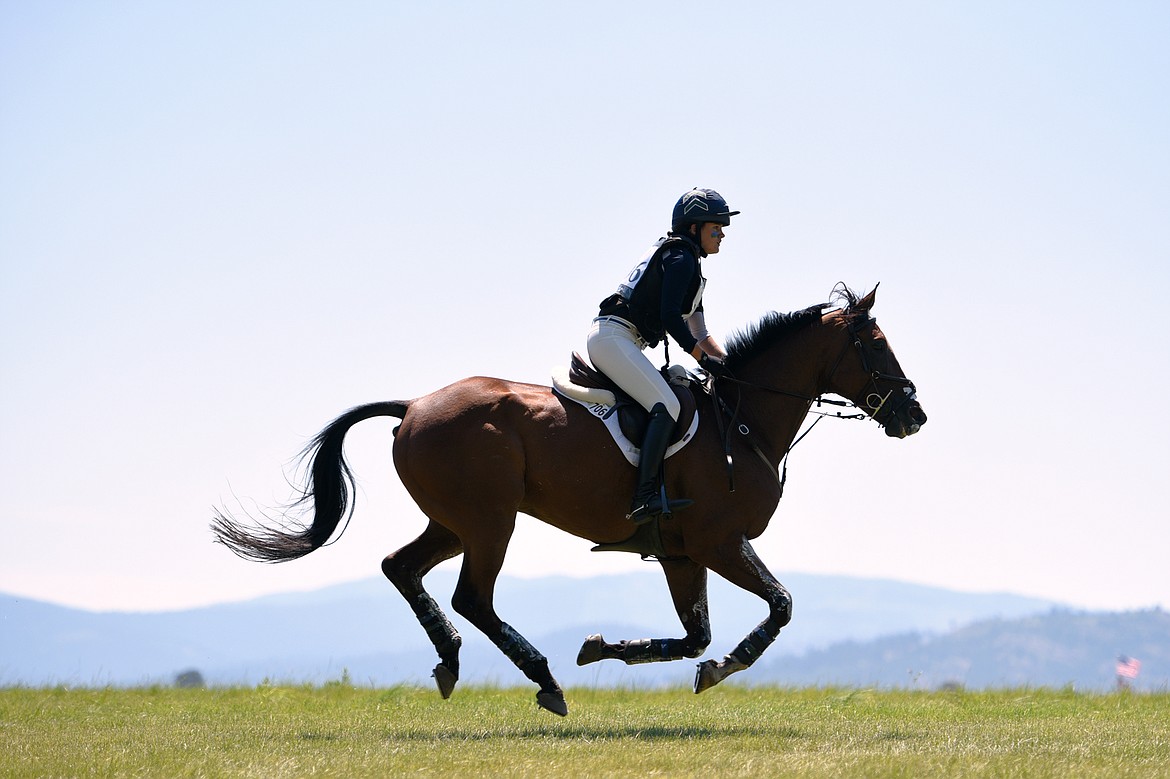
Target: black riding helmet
(698, 206)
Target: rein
(722, 408)
(745, 431)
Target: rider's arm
(708, 346)
(706, 343)
(678, 269)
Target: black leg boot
(647, 502)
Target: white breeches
(615, 348)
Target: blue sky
(221, 224)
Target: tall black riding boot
(647, 502)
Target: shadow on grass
(601, 733)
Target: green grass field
(339, 730)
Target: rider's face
(710, 236)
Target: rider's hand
(714, 366)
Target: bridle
(877, 406)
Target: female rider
(663, 295)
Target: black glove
(714, 366)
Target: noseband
(877, 404)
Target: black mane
(747, 344)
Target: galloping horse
(475, 453)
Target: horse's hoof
(712, 672)
(554, 702)
(591, 650)
(445, 679)
(707, 676)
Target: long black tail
(277, 539)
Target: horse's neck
(791, 378)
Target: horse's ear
(866, 303)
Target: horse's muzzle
(906, 421)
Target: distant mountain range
(846, 631)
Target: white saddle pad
(603, 405)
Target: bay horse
(475, 453)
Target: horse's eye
(879, 346)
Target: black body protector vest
(639, 299)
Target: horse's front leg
(688, 589)
(740, 565)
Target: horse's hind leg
(473, 599)
(740, 565)
(688, 588)
(405, 570)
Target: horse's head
(868, 373)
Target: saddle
(632, 418)
(626, 421)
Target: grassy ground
(338, 730)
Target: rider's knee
(667, 405)
(663, 410)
